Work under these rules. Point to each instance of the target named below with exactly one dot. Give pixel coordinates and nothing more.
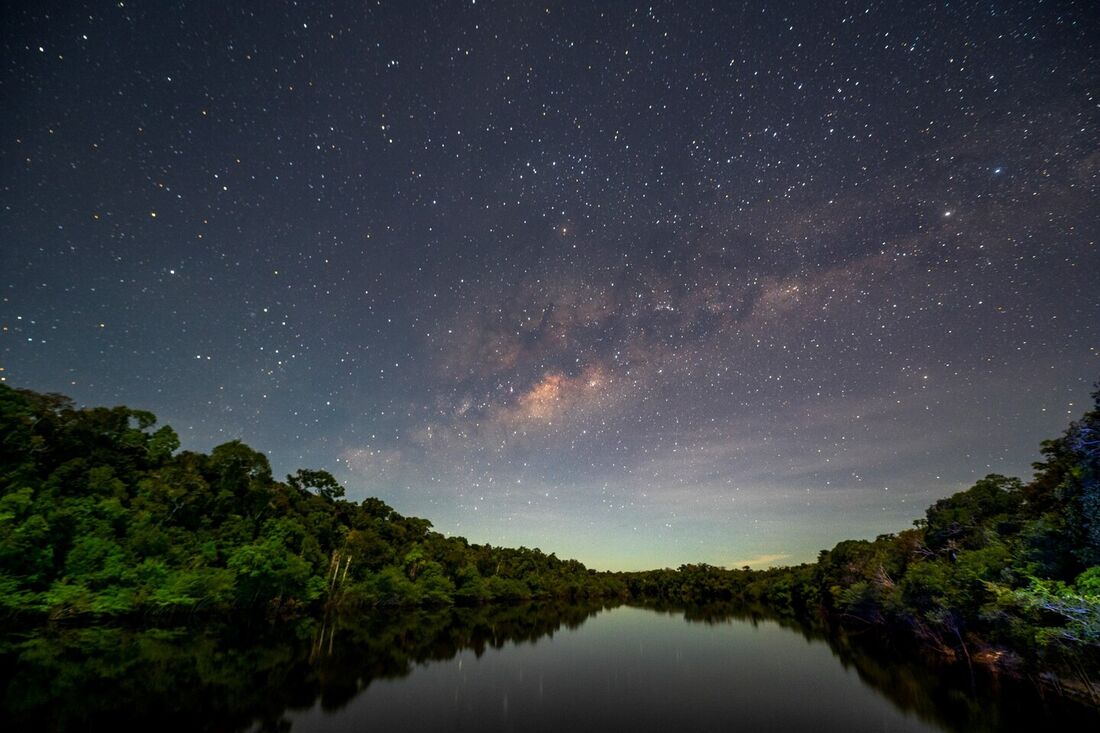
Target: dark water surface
(523, 668)
(634, 670)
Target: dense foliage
(1006, 569)
(101, 514)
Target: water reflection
(236, 676)
(951, 697)
(540, 666)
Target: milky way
(638, 285)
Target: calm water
(629, 669)
(534, 668)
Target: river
(523, 668)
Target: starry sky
(637, 284)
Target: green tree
(322, 481)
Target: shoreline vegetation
(103, 518)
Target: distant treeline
(102, 515)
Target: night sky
(639, 285)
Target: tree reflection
(233, 676)
(952, 696)
(250, 676)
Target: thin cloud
(760, 561)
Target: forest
(103, 516)
(1005, 573)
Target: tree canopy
(100, 513)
